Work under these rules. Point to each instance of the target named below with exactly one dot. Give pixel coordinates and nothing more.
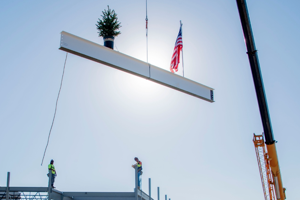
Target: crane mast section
(264, 167)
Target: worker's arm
(133, 166)
(50, 168)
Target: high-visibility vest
(52, 168)
(139, 165)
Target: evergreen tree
(109, 24)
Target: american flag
(176, 54)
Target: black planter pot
(109, 41)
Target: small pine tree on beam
(108, 25)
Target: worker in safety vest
(52, 172)
(139, 170)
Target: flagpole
(182, 50)
(146, 32)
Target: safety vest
(52, 168)
(139, 165)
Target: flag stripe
(176, 53)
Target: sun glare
(141, 87)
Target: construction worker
(52, 172)
(139, 170)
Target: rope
(62, 78)
(146, 30)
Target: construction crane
(265, 170)
(271, 161)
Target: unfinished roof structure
(48, 193)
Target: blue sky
(190, 148)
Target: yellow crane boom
(261, 98)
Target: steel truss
(264, 167)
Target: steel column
(136, 178)
(49, 183)
(7, 185)
(150, 188)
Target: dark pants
(139, 180)
(52, 176)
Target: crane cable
(62, 78)
(147, 31)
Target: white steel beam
(98, 53)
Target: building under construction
(48, 193)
